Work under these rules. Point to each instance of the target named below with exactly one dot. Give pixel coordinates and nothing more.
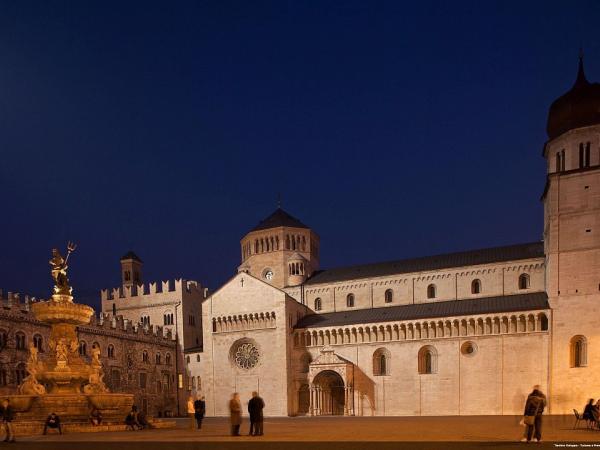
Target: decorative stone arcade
(331, 381)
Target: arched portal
(330, 393)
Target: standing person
(588, 411)
(191, 411)
(7, 418)
(534, 408)
(255, 408)
(199, 411)
(235, 412)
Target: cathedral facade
(456, 334)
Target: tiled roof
(468, 258)
(130, 255)
(431, 310)
(279, 218)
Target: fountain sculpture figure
(64, 382)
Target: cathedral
(466, 333)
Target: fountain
(63, 382)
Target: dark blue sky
(394, 129)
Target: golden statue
(59, 270)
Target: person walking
(235, 414)
(7, 417)
(534, 408)
(255, 409)
(199, 411)
(191, 411)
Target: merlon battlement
(16, 300)
(165, 287)
(120, 324)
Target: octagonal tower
(280, 250)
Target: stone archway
(331, 381)
(332, 393)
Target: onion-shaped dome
(579, 107)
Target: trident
(70, 249)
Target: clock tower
(280, 250)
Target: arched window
(197, 358)
(114, 309)
(145, 356)
(20, 373)
(381, 362)
(578, 351)
(431, 291)
(287, 241)
(82, 348)
(427, 360)
(305, 363)
(476, 286)
(187, 359)
(38, 342)
(523, 281)
(318, 304)
(110, 351)
(350, 300)
(20, 343)
(543, 322)
(127, 275)
(199, 383)
(3, 339)
(168, 359)
(157, 358)
(389, 296)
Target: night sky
(393, 129)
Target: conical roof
(130, 255)
(279, 218)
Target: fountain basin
(62, 312)
(21, 403)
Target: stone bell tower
(280, 250)
(131, 269)
(572, 243)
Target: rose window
(246, 355)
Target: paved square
(333, 432)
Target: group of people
(591, 412)
(255, 410)
(136, 420)
(196, 410)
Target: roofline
(429, 256)
(277, 228)
(433, 316)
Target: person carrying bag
(532, 416)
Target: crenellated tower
(572, 243)
(280, 250)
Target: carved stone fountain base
(72, 407)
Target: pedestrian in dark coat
(7, 414)
(235, 414)
(588, 413)
(534, 406)
(255, 408)
(199, 411)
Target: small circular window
(468, 348)
(268, 274)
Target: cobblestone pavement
(335, 432)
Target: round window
(268, 274)
(468, 348)
(245, 354)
